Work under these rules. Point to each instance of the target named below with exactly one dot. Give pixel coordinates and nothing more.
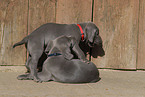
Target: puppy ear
(91, 31)
(48, 47)
(91, 36)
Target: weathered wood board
(13, 21)
(41, 12)
(121, 24)
(141, 37)
(73, 11)
(118, 24)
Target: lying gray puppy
(57, 68)
(37, 41)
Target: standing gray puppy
(58, 68)
(37, 41)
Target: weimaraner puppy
(37, 41)
(58, 68)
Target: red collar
(82, 33)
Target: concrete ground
(113, 83)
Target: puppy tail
(21, 42)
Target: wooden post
(141, 36)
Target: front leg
(67, 53)
(78, 51)
(24, 77)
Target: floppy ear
(48, 47)
(91, 35)
(91, 31)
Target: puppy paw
(36, 79)
(86, 61)
(24, 77)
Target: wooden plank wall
(41, 12)
(13, 21)
(118, 24)
(73, 11)
(141, 37)
(121, 25)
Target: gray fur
(38, 40)
(58, 68)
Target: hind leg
(27, 64)
(24, 77)
(45, 76)
(33, 70)
(35, 48)
(33, 65)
